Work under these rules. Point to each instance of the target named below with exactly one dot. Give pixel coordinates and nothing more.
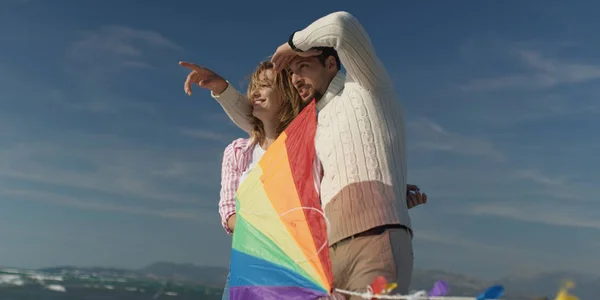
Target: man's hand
(204, 78)
(414, 197)
(231, 222)
(284, 55)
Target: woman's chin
(258, 114)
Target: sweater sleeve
(236, 106)
(343, 32)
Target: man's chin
(308, 99)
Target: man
(360, 142)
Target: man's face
(310, 77)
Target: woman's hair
(291, 100)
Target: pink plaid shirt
(236, 158)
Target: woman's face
(266, 102)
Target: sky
(105, 161)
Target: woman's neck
(270, 134)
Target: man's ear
(331, 63)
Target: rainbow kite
(279, 248)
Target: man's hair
(282, 85)
(327, 52)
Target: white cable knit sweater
(360, 135)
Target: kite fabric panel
(279, 248)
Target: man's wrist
(291, 42)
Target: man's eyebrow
(303, 59)
(295, 63)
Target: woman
(275, 104)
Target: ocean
(75, 285)
(37, 293)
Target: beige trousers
(357, 261)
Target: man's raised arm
(343, 32)
(234, 103)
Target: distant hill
(188, 272)
(517, 287)
(100, 271)
(548, 283)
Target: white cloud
(107, 104)
(38, 153)
(96, 60)
(548, 213)
(89, 204)
(471, 180)
(489, 181)
(205, 134)
(110, 164)
(565, 187)
(119, 45)
(540, 178)
(538, 77)
(593, 107)
(455, 240)
(84, 96)
(540, 72)
(430, 136)
(15, 1)
(553, 200)
(220, 119)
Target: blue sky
(105, 161)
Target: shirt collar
(250, 145)
(335, 87)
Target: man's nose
(296, 80)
